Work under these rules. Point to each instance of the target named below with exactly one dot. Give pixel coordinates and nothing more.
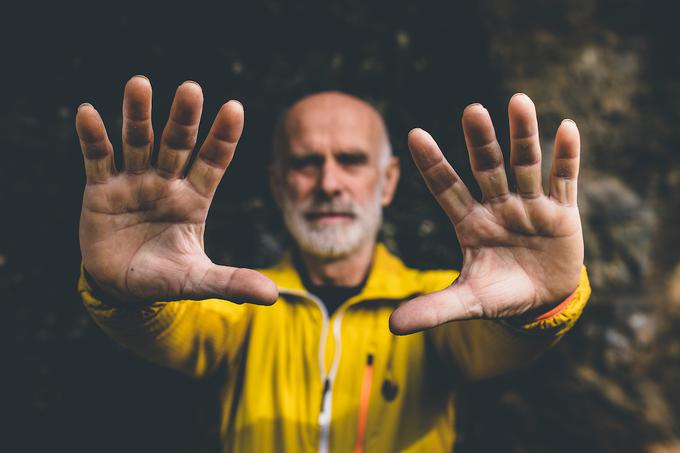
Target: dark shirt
(332, 296)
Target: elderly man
(321, 369)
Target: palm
(141, 230)
(521, 251)
(146, 248)
(513, 263)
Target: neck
(350, 270)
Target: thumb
(238, 285)
(455, 303)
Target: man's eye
(300, 163)
(350, 159)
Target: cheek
(366, 187)
(298, 187)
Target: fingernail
(518, 94)
(474, 105)
(141, 76)
(236, 101)
(568, 120)
(83, 105)
(191, 81)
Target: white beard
(334, 240)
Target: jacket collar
(388, 277)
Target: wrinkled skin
(141, 229)
(522, 252)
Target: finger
(454, 303)
(440, 177)
(179, 135)
(137, 129)
(564, 172)
(235, 284)
(525, 147)
(485, 153)
(95, 145)
(217, 150)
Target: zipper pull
(326, 388)
(323, 411)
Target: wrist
(102, 295)
(555, 310)
(541, 314)
(556, 319)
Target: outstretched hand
(523, 251)
(141, 228)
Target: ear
(275, 182)
(392, 172)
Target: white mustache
(331, 208)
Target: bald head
(335, 112)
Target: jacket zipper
(327, 379)
(327, 397)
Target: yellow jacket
(295, 380)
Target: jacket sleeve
(486, 348)
(193, 337)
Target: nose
(329, 183)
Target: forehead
(330, 122)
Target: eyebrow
(354, 156)
(306, 159)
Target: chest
(317, 381)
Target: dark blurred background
(612, 385)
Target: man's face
(334, 174)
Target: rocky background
(613, 385)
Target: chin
(324, 245)
(334, 238)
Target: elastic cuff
(558, 320)
(561, 318)
(556, 310)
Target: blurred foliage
(610, 386)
